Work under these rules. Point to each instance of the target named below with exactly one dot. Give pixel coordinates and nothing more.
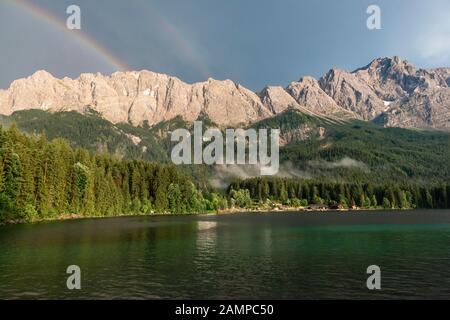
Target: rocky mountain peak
(276, 99)
(352, 94)
(307, 92)
(391, 78)
(388, 88)
(440, 75)
(41, 75)
(389, 65)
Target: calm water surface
(242, 256)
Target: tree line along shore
(50, 180)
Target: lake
(239, 256)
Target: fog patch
(224, 174)
(345, 162)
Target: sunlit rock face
(135, 97)
(389, 91)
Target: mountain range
(388, 91)
(385, 122)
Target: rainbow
(84, 38)
(183, 46)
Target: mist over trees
(41, 179)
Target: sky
(253, 42)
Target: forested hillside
(46, 180)
(91, 132)
(349, 151)
(100, 168)
(314, 147)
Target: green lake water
(240, 256)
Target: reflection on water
(206, 237)
(206, 225)
(248, 256)
(206, 244)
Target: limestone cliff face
(307, 92)
(277, 100)
(424, 108)
(351, 94)
(135, 97)
(413, 97)
(441, 75)
(390, 78)
(3, 98)
(390, 91)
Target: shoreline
(293, 209)
(230, 211)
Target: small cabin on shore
(317, 207)
(337, 207)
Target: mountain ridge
(388, 91)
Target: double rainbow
(84, 38)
